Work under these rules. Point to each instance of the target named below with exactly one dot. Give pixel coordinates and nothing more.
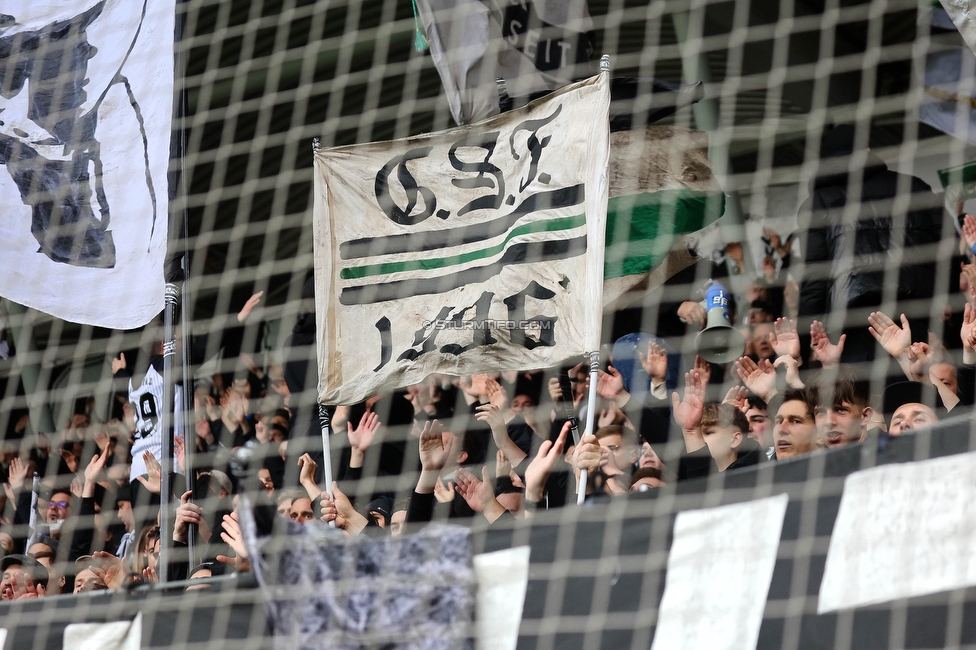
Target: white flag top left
(84, 146)
(469, 250)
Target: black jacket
(833, 278)
(699, 463)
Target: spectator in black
(23, 578)
(834, 278)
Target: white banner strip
(503, 577)
(122, 635)
(719, 570)
(902, 530)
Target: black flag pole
(171, 299)
(175, 297)
(186, 406)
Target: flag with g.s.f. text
(469, 250)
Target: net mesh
(831, 126)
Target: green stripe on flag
(642, 228)
(550, 225)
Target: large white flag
(84, 146)
(963, 16)
(949, 84)
(469, 250)
(534, 45)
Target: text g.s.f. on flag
(469, 250)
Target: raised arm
(687, 411)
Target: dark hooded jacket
(833, 277)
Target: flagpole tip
(316, 144)
(605, 63)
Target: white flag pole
(596, 218)
(590, 416)
(324, 422)
(32, 520)
(324, 419)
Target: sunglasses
(60, 505)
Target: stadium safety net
(777, 361)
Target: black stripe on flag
(431, 240)
(522, 253)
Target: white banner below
(469, 250)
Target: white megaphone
(719, 342)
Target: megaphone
(719, 342)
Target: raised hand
(234, 407)
(784, 339)
(477, 493)
(967, 280)
(444, 494)
(895, 340)
(362, 436)
(503, 467)
(21, 587)
(792, 366)
(108, 569)
(607, 417)
(154, 473)
(102, 441)
(70, 460)
(655, 364)
(824, 351)
(555, 392)
(434, 451)
(687, 411)
(95, 467)
(492, 416)
(249, 306)
(476, 385)
(422, 396)
(18, 473)
(969, 230)
(149, 573)
(759, 378)
(610, 385)
(704, 370)
(737, 397)
(212, 408)
(306, 475)
(545, 461)
(496, 394)
(233, 536)
(180, 448)
(920, 356)
(118, 363)
(967, 333)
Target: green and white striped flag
(469, 250)
(662, 192)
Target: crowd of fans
(497, 447)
